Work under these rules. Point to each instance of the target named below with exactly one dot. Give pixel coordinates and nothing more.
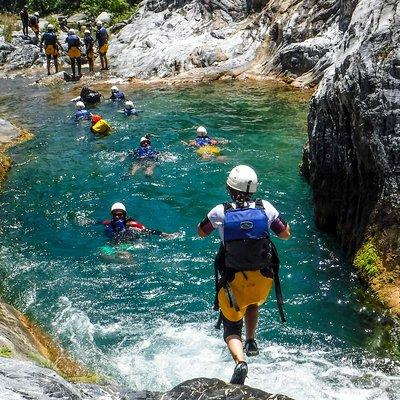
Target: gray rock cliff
(354, 145)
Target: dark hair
(239, 197)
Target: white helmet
(99, 23)
(118, 206)
(36, 14)
(129, 104)
(243, 179)
(144, 139)
(80, 105)
(201, 131)
(114, 89)
(71, 31)
(50, 27)
(87, 31)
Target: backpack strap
(259, 203)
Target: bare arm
(285, 235)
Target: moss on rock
(367, 261)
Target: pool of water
(149, 322)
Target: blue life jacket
(146, 153)
(117, 232)
(246, 238)
(72, 41)
(101, 36)
(202, 141)
(82, 114)
(49, 38)
(117, 96)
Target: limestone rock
(8, 133)
(216, 389)
(22, 57)
(354, 136)
(104, 17)
(73, 20)
(21, 379)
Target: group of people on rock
(247, 263)
(75, 45)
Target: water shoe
(239, 373)
(251, 348)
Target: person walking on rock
(102, 41)
(51, 47)
(34, 24)
(74, 52)
(89, 41)
(25, 20)
(245, 261)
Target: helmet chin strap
(248, 187)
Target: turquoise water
(149, 322)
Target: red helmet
(96, 118)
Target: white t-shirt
(217, 215)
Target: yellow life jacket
(212, 150)
(74, 52)
(51, 50)
(101, 128)
(103, 49)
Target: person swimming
(206, 146)
(130, 109)
(100, 126)
(145, 157)
(116, 94)
(81, 112)
(122, 228)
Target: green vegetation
(10, 23)
(367, 261)
(5, 352)
(122, 9)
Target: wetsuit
(34, 24)
(89, 41)
(74, 52)
(25, 21)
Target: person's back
(247, 262)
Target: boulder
(8, 133)
(299, 58)
(215, 389)
(22, 57)
(104, 17)
(73, 20)
(21, 379)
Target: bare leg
(135, 168)
(251, 319)
(149, 170)
(235, 346)
(102, 61)
(48, 65)
(56, 63)
(105, 61)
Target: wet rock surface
(354, 137)
(24, 380)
